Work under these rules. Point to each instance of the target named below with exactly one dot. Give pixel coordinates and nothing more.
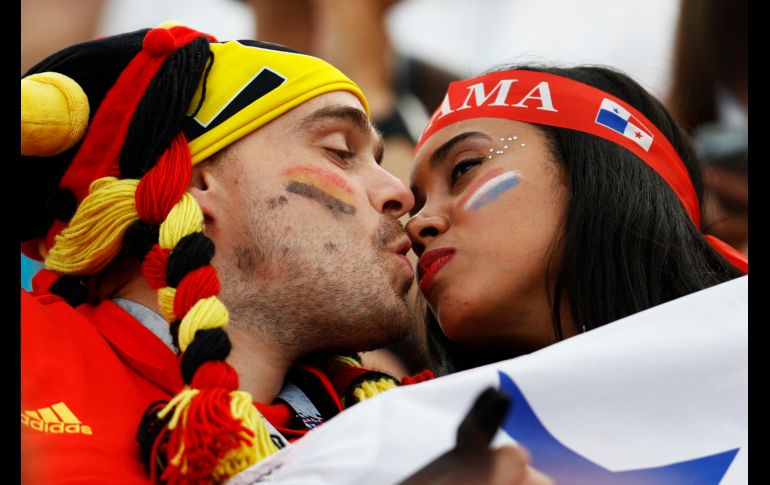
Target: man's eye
(464, 166)
(342, 156)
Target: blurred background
(691, 54)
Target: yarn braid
(210, 430)
(229, 433)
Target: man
(200, 183)
(309, 255)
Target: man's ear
(206, 186)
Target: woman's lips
(429, 265)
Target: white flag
(657, 397)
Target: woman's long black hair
(627, 244)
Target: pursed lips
(429, 265)
(400, 250)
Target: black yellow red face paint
(323, 186)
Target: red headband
(547, 99)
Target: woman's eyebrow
(441, 152)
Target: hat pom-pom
(54, 114)
(159, 42)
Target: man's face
(308, 247)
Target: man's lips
(401, 250)
(429, 265)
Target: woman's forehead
(497, 129)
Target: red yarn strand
(165, 183)
(209, 433)
(196, 285)
(154, 267)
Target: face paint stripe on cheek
(492, 189)
(474, 187)
(314, 193)
(329, 181)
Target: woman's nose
(423, 228)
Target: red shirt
(88, 374)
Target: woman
(550, 202)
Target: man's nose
(389, 195)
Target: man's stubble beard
(309, 295)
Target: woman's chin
(459, 328)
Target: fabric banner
(660, 397)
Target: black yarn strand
(207, 345)
(203, 87)
(191, 252)
(140, 237)
(159, 115)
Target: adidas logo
(56, 419)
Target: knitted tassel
(215, 431)
(94, 236)
(422, 376)
(369, 389)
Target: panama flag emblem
(617, 118)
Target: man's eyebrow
(441, 152)
(334, 113)
(356, 117)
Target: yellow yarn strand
(344, 359)
(369, 389)
(261, 445)
(166, 303)
(179, 404)
(184, 218)
(94, 236)
(242, 407)
(207, 313)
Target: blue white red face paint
(491, 188)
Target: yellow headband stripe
(251, 83)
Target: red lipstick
(429, 265)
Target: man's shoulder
(43, 315)
(87, 375)
(46, 314)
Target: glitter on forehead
(501, 151)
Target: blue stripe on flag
(611, 120)
(565, 465)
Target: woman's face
(489, 202)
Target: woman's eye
(464, 166)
